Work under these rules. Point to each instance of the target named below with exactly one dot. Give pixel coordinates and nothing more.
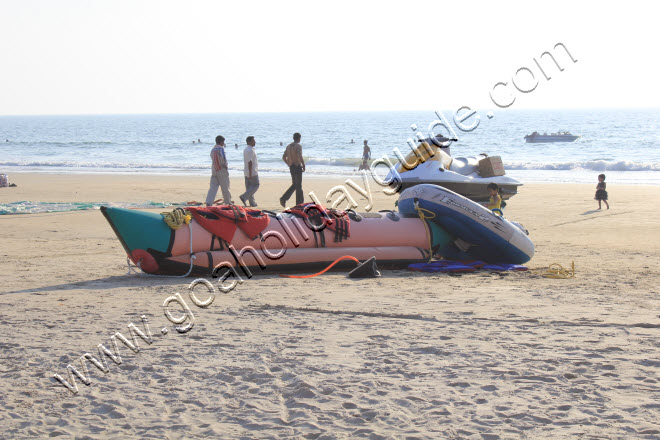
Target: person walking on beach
(601, 193)
(293, 157)
(219, 173)
(250, 170)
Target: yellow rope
(556, 270)
(176, 218)
(425, 214)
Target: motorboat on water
(431, 162)
(562, 136)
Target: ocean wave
(159, 166)
(102, 165)
(85, 145)
(594, 165)
(337, 162)
(62, 143)
(324, 166)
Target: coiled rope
(176, 218)
(556, 270)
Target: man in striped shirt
(219, 173)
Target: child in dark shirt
(601, 193)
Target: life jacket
(318, 217)
(223, 220)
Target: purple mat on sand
(462, 266)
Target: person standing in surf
(293, 157)
(366, 151)
(219, 173)
(366, 155)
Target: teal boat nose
(139, 232)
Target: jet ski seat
(464, 165)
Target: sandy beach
(405, 356)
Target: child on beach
(601, 194)
(495, 201)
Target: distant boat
(562, 136)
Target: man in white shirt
(251, 172)
(219, 173)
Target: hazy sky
(135, 56)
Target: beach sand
(406, 356)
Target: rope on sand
(556, 270)
(345, 257)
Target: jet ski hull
(469, 185)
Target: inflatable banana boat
(479, 234)
(305, 238)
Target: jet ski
(431, 162)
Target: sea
(624, 144)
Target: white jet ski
(431, 162)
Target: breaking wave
(593, 165)
(317, 166)
(337, 162)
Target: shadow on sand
(112, 282)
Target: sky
(143, 56)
